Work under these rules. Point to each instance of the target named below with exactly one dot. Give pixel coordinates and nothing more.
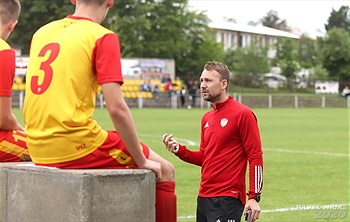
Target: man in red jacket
(229, 139)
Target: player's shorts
(219, 209)
(110, 155)
(12, 146)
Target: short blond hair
(219, 67)
(9, 10)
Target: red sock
(165, 202)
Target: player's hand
(170, 144)
(154, 166)
(254, 206)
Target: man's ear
(12, 26)
(224, 84)
(74, 2)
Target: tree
(307, 52)
(249, 62)
(273, 21)
(35, 14)
(338, 19)
(206, 50)
(163, 29)
(286, 50)
(334, 53)
(146, 29)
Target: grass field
(306, 159)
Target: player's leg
(168, 172)
(13, 146)
(165, 190)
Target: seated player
(12, 138)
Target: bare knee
(168, 172)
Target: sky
(307, 15)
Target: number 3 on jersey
(45, 66)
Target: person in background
(346, 91)
(192, 90)
(12, 138)
(182, 96)
(145, 86)
(69, 59)
(230, 139)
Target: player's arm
(124, 124)
(189, 156)
(252, 144)
(8, 121)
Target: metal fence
(166, 100)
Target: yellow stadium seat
(18, 80)
(127, 95)
(149, 95)
(15, 86)
(134, 95)
(22, 86)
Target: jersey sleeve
(106, 58)
(7, 71)
(193, 157)
(252, 145)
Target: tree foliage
(338, 19)
(334, 54)
(286, 59)
(34, 14)
(164, 29)
(251, 60)
(307, 52)
(146, 29)
(273, 21)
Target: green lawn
(306, 159)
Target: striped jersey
(68, 60)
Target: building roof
(262, 30)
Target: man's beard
(211, 98)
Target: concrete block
(31, 193)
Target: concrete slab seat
(30, 193)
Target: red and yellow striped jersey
(69, 58)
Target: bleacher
(18, 84)
(131, 88)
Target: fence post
(240, 98)
(174, 100)
(140, 101)
(235, 96)
(296, 102)
(270, 101)
(101, 100)
(323, 101)
(21, 96)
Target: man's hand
(170, 144)
(254, 206)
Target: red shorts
(12, 146)
(111, 154)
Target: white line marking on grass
(308, 152)
(180, 140)
(185, 217)
(296, 208)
